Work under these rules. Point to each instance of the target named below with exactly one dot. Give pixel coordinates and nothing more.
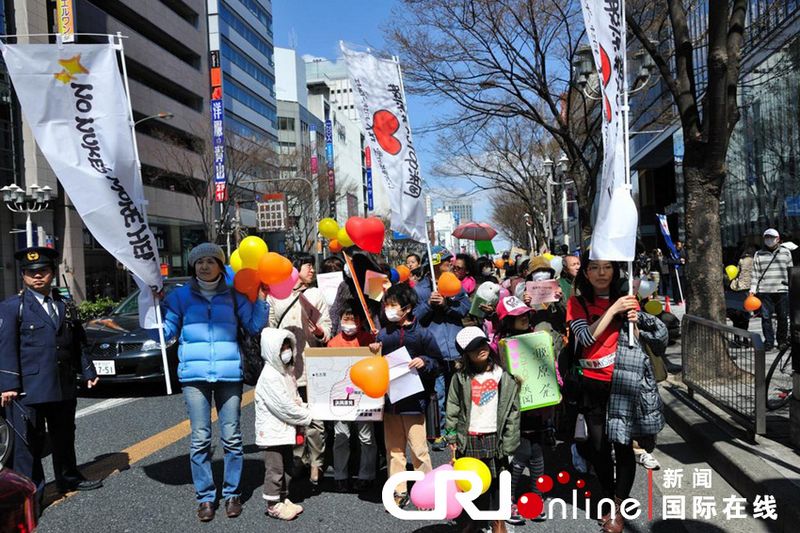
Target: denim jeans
(228, 399)
(442, 385)
(774, 305)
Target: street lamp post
(18, 201)
(529, 224)
(550, 174)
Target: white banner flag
(73, 99)
(614, 236)
(381, 105)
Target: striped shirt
(593, 348)
(775, 271)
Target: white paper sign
(403, 381)
(331, 394)
(328, 285)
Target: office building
(248, 68)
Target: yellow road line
(116, 462)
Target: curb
(743, 465)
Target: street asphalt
(137, 439)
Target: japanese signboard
(531, 358)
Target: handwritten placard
(542, 292)
(531, 358)
(331, 393)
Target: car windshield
(130, 305)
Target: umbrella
(475, 231)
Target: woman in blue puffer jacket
(204, 317)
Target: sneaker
(298, 508)
(401, 499)
(515, 519)
(439, 444)
(281, 511)
(648, 461)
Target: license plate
(105, 368)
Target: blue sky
(316, 27)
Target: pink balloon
(423, 493)
(503, 293)
(454, 508)
(283, 290)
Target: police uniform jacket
(38, 357)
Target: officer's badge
(32, 256)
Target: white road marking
(103, 406)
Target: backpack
(249, 348)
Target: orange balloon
(371, 375)
(403, 272)
(274, 268)
(499, 263)
(448, 284)
(334, 246)
(751, 303)
(246, 281)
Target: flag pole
(396, 60)
(360, 293)
(627, 148)
(139, 195)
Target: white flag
(381, 105)
(74, 101)
(614, 236)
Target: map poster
(331, 394)
(531, 358)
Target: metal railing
(726, 365)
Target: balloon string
(361, 298)
(452, 456)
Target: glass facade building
(248, 68)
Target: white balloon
(557, 263)
(646, 288)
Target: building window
(261, 14)
(286, 124)
(256, 103)
(246, 31)
(235, 56)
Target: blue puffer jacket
(420, 343)
(443, 321)
(208, 349)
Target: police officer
(40, 355)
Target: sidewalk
(768, 467)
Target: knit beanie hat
(206, 249)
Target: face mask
(393, 314)
(540, 276)
(770, 242)
(487, 271)
(348, 329)
(286, 356)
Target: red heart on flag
(384, 126)
(366, 233)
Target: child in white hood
(280, 417)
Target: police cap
(36, 257)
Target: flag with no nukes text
(74, 101)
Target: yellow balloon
(654, 307)
(251, 250)
(236, 261)
(477, 466)
(548, 256)
(329, 228)
(344, 238)
(732, 272)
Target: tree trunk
(703, 280)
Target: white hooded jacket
(279, 409)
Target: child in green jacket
(482, 415)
